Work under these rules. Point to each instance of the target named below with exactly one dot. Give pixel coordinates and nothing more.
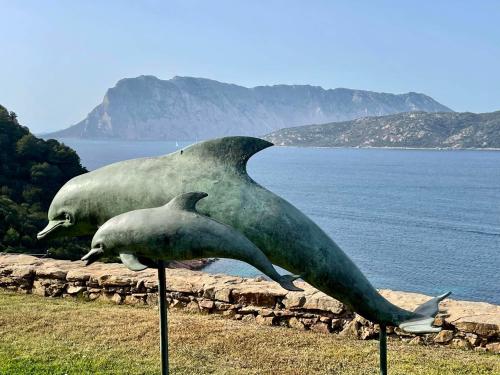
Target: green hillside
(31, 172)
(412, 129)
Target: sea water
(425, 221)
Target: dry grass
(54, 336)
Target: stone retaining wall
(467, 325)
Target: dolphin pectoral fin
(425, 314)
(286, 282)
(93, 255)
(131, 262)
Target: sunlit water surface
(423, 221)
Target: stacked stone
(255, 300)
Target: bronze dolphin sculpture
(286, 236)
(176, 231)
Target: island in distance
(189, 109)
(403, 130)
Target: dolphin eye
(66, 216)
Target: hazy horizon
(60, 58)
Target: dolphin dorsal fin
(186, 201)
(228, 150)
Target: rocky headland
(466, 325)
(447, 130)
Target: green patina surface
(177, 231)
(218, 167)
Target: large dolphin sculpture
(218, 167)
(176, 231)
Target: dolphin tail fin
(425, 314)
(286, 282)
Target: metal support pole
(383, 349)
(163, 317)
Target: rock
(206, 306)
(222, 306)
(481, 329)
(94, 296)
(249, 310)
(367, 332)
(283, 313)
(133, 300)
(294, 300)
(114, 280)
(23, 272)
(321, 327)
(297, 324)
(77, 275)
(117, 298)
(351, 330)
(493, 347)
(439, 321)
(252, 296)
(223, 295)
(265, 321)
(38, 288)
(473, 339)
(309, 321)
(266, 312)
(444, 336)
(75, 289)
(50, 273)
(362, 321)
(320, 301)
(460, 343)
(208, 293)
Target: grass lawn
(60, 336)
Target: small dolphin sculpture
(283, 233)
(176, 231)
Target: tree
(11, 237)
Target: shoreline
(61, 139)
(397, 148)
(465, 325)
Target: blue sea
(424, 221)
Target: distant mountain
(185, 108)
(413, 129)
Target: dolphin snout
(51, 226)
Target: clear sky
(59, 57)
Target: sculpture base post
(162, 303)
(383, 349)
